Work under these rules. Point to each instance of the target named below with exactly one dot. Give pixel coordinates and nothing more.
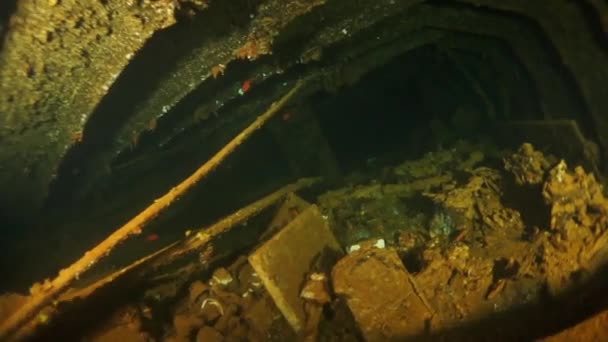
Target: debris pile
(527, 165)
(431, 246)
(575, 198)
(424, 250)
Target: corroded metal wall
(59, 58)
(82, 82)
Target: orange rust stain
(247, 51)
(76, 137)
(218, 70)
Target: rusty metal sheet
(380, 294)
(283, 261)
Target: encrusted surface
(284, 260)
(378, 291)
(59, 58)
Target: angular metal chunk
(283, 262)
(380, 295)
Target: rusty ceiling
(90, 90)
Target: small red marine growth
(245, 87)
(286, 116)
(152, 237)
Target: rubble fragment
(283, 262)
(432, 164)
(425, 255)
(208, 334)
(527, 165)
(221, 277)
(481, 189)
(573, 195)
(388, 309)
(316, 289)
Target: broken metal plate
(283, 262)
(380, 294)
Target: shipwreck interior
(254, 170)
